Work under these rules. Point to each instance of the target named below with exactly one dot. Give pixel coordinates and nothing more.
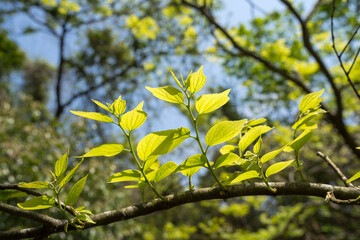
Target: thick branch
(294, 188)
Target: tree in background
(277, 65)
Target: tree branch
(202, 194)
(336, 169)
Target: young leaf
(176, 80)
(257, 146)
(224, 131)
(196, 81)
(245, 176)
(69, 176)
(61, 164)
(310, 101)
(75, 191)
(252, 135)
(38, 184)
(303, 138)
(254, 122)
(41, 202)
(228, 159)
(134, 118)
(270, 155)
(148, 164)
(124, 176)
(227, 149)
(353, 178)
(164, 171)
(107, 150)
(85, 218)
(160, 143)
(168, 94)
(118, 106)
(210, 102)
(277, 167)
(101, 105)
(309, 121)
(191, 165)
(9, 194)
(94, 116)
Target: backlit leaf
(353, 178)
(160, 143)
(70, 175)
(196, 81)
(176, 80)
(38, 184)
(254, 122)
(168, 94)
(228, 159)
(191, 165)
(227, 148)
(134, 118)
(210, 102)
(277, 167)
(124, 176)
(245, 176)
(118, 106)
(270, 155)
(94, 116)
(310, 101)
(101, 105)
(252, 135)
(164, 171)
(61, 164)
(257, 146)
(224, 131)
(107, 150)
(85, 218)
(75, 191)
(41, 202)
(300, 141)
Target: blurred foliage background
(107, 48)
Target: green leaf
(107, 150)
(270, 155)
(134, 118)
(75, 191)
(38, 184)
(61, 164)
(227, 148)
(228, 159)
(210, 102)
(9, 194)
(94, 116)
(353, 178)
(85, 218)
(257, 146)
(168, 94)
(252, 135)
(164, 171)
(254, 122)
(176, 80)
(196, 81)
(41, 202)
(150, 161)
(70, 175)
(101, 105)
(224, 131)
(245, 176)
(277, 167)
(160, 143)
(300, 141)
(124, 176)
(310, 101)
(118, 106)
(191, 165)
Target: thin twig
(347, 73)
(330, 196)
(336, 169)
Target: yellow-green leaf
(303, 138)
(160, 143)
(168, 94)
(309, 121)
(252, 135)
(75, 191)
(228, 159)
(196, 81)
(245, 176)
(257, 146)
(310, 101)
(41, 202)
(277, 167)
(164, 171)
(101, 105)
(118, 106)
(85, 218)
(107, 150)
(210, 102)
(224, 131)
(134, 118)
(353, 178)
(69, 176)
(151, 163)
(270, 155)
(38, 184)
(227, 148)
(94, 116)
(176, 80)
(191, 165)
(254, 122)
(124, 176)
(61, 164)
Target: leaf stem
(299, 166)
(273, 190)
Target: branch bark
(202, 194)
